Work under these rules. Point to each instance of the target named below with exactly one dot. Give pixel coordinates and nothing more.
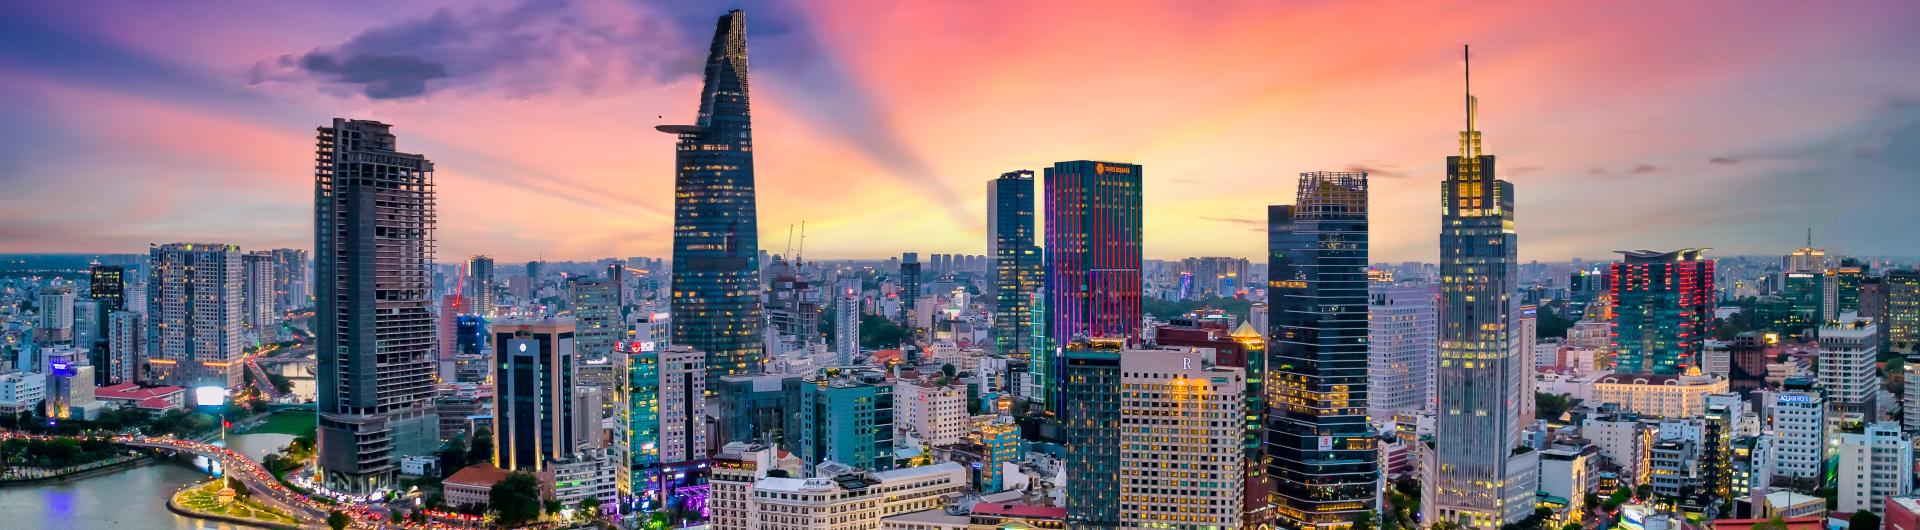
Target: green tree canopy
(515, 500)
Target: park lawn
(206, 499)
(294, 422)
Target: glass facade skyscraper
(1016, 261)
(1320, 449)
(1093, 279)
(716, 261)
(1479, 478)
(1662, 305)
(1091, 414)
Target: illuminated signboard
(1288, 284)
(62, 368)
(521, 347)
(1796, 398)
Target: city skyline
(545, 152)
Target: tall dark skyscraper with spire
(1479, 479)
(716, 266)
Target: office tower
(107, 284)
(598, 316)
(755, 408)
(373, 318)
(1179, 397)
(1844, 287)
(716, 267)
(1873, 305)
(844, 416)
(1799, 433)
(909, 286)
(1849, 349)
(1747, 371)
(846, 322)
(1317, 263)
(291, 280)
(533, 393)
(482, 289)
(87, 330)
(1874, 464)
(1090, 404)
(1016, 261)
(448, 318)
(533, 272)
(1402, 333)
(1042, 369)
(126, 347)
(1662, 307)
(261, 306)
(69, 383)
(1093, 277)
(1805, 294)
(54, 322)
(194, 309)
(662, 437)
(1903, 311)
(1478, 479)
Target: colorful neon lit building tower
(716, 260)
(1093, 255)
(1662, 305)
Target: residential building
(53, 324)
(1873, 465)
(22, 392)
(126, 346)
(291, 279)
(260, 301)
(373, 295)
(846, 321)
(195, 309)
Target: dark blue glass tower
(716, 266)
(1016, 261)
(1320, 449)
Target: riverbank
(202, 502)
(79, 472)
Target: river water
(133, 499)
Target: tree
(1364, 521)
(1863, 520)
(1552, 406)
(453, 457)
(591, 507)
(1774, 523)
(552, 505)
(239, 488)
(338, 520)
(481, 450)
(949, 370)
(515, 500)
(1620, 496)
(1643, 491)
(1570, 526)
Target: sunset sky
(1657, 125)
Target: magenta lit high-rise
(1093, 279)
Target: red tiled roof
(478, 475)
(1797, 523)
(131, 391)
(156, 403)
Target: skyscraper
(194, 305)
(1178, 397)
(373, 323)
(481, 285)
(909, 286)
(1903, 311)
(1478, 479)
(716, 268)
(290, 279)
(846, 321)
(1090, 410)
(1662, 306)
(108, 285)
(598, 316)
(1093, 278)
(126, 347)
(1016, 261)
(1320, 450)
(533, 393)
(262, 298)
(54, 322)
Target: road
(261, 483)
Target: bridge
(259, 482)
